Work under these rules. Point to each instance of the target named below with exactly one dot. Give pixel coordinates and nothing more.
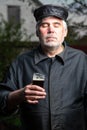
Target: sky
(55, 1)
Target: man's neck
(52, 52)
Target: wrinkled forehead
(50, 20)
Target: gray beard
(51, 46)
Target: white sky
(55, 1)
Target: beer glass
(38, 79)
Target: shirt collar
(39, 55)
(62, 55)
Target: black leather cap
(50, 10)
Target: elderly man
(60, 102)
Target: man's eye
(56, 25)
(44, 25)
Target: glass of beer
(38, 79)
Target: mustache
(50, 36)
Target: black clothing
(64, 107)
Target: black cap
(50, 10)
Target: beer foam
(38, 77)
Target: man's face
(52, 32)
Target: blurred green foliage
(13, 41)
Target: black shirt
(64, 107)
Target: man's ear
(65, 32)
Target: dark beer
(38, 79)
(38, 82)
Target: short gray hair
(64, 24)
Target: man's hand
(30, 93)
(33, 93)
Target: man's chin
(51, 44)
(51, 47)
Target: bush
(13, 40)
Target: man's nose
(50, 29)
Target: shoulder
(75, 56)
(76, 52)
(24, 57)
